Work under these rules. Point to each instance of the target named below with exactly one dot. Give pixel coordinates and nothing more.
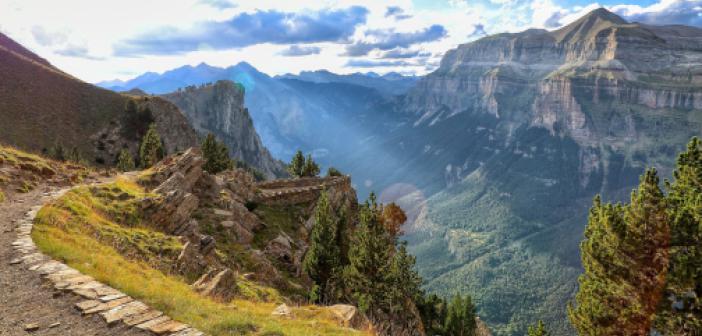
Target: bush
(125, 162)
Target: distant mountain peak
(589, 25)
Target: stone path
(40, 296)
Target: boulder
(218, 284)
(349, 316)
(191, 261)
(282, 310)
(281, 249)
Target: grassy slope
(39, 105)
(80, 229)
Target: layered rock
(219, 109)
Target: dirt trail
(27, 299)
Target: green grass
(2, 196)
(80, 229)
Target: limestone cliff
(219, 109)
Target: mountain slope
(41, 106)
(552, 118)
(219, 109)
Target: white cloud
(79, 36)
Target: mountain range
(497, 154)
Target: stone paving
(112, 305)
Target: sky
(102, 40)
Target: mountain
(41, 106)
(329, 118)
(522, 130)
(389, 84)
(219, 109)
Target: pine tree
(432, 308)
(311, 169)
(151, 149)
(460, 317)
(625, 256)
(538, 330)
(369, 256)
(297, 165)
(125, 162)
(402, 281)
(322, 260)
(216, 155)
(681, 311)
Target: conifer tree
(538, 330)
(625, 256)
(151, 149)
(125, 162)
(311, 169)
(402, 281)
(368, 260)
(322, 260)
(460, 317)
(216, 155)
(297, 165)
(681, 310)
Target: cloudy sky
(98, 40)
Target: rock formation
(219, 109)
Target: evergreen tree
(322, 259)
(403, 283)
(538, 330)
(369, 255)
(311, 168)
(125, 162)
(297, 165)
(433, 311)
(625, 256)
(216, 155)
(681, 310)
(151, 149)
(460, 317)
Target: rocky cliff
(219, 109)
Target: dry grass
(72, 229)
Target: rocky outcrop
(349, 316)
(218, 284)
(219, 109)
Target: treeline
(643, 260)
(368, 267)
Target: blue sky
(98, 40)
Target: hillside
(41, 106)
(219, 109)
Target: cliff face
(545, 78)
(524, 129)
(219, 109)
